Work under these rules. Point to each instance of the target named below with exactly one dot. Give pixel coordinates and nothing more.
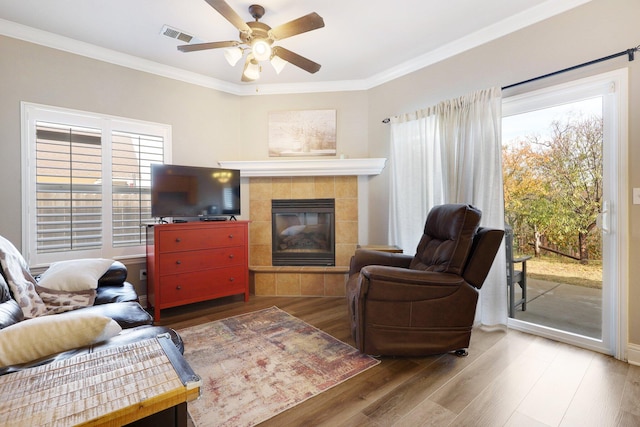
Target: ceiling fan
(258, 38)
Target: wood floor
(508, 379)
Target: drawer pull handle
(230, 256)
(178, 262)
(231, 236)
(178, 240)
(178, 287)
(231, 279)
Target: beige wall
(351, 121)
(210, 126)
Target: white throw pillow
(46, 335)
(74, 275)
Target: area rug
(257, 365)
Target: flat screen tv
(194, 192)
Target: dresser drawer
(201, 285)
(200, 238)
(183, 262)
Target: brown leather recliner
(402, 305)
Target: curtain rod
(629, 52)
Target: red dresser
(196, 261)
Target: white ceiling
(363, 44)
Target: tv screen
(191, 191)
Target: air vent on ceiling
(174, 33)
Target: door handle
(603, 221)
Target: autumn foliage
(553, 189)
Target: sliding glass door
(563, 152)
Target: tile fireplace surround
(339, 179)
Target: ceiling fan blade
(229, 14)
(204, 46)
(309, 22)
(297, 60)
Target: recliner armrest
(117, 293)
(387, 284)
(364, 257)
(116, 275)
(486, 244)
(410, 277)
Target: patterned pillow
(35, 300)
(60, 301)
(22, 284)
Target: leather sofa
(115, 298)
(422, 304)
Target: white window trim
(30, 113)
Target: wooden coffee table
(112, 387)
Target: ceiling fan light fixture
(261, 49)
(233, 55)
(252, 70)
(278, 63)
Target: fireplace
(303, 232)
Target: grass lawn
(563, 270)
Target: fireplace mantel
(307, 167)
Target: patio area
(571, 308)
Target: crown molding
(524, 19)
(66, 44)
(313, 87)
(506, 26)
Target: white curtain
(451, 153)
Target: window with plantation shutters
(68, 187)
(86, 183)
(132, 156)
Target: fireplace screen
(303, 232)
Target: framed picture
(302, 133)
